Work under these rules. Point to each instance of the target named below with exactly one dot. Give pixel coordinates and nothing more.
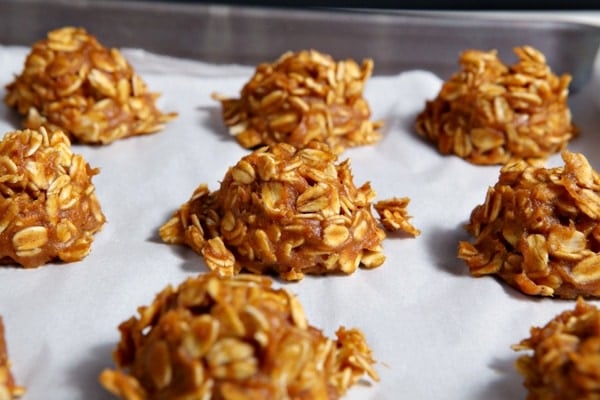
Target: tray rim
(370, 21)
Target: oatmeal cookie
(302, 97)
(73, 83)
(290, 211)
(564, 356)
(48, 205)
(539, 229)
(9, 390)
(233, 338)
(492, 113)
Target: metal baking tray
(227, 34)
(249, 35)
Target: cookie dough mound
(48, 206)
(539, 230)
(232, 338)
(302, 97)
(564, 364)
(73, 83)
(492, 113)
(285, 210)
(9, 390)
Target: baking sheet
(436, 331)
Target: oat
(9, 390)
(233, 338)
(394, 215)
(564, 363)
(301, 97)
(539, 230)
(284, 210)
(48, 206)
(73, 83)
(491, 113)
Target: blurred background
(420, 4)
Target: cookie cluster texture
(289, 211)
(539, 229)
(73, 83)
(562, 360)
(233, 338)
(303, 97)
(48, 205)
(493, 113)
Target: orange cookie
(9, 390)
(232, 338)
(302, 97)
(539, 229)
(48, 205)
(286, 210)
(73, 83)
(564, 364)
(492, 113)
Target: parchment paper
(437, 332)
